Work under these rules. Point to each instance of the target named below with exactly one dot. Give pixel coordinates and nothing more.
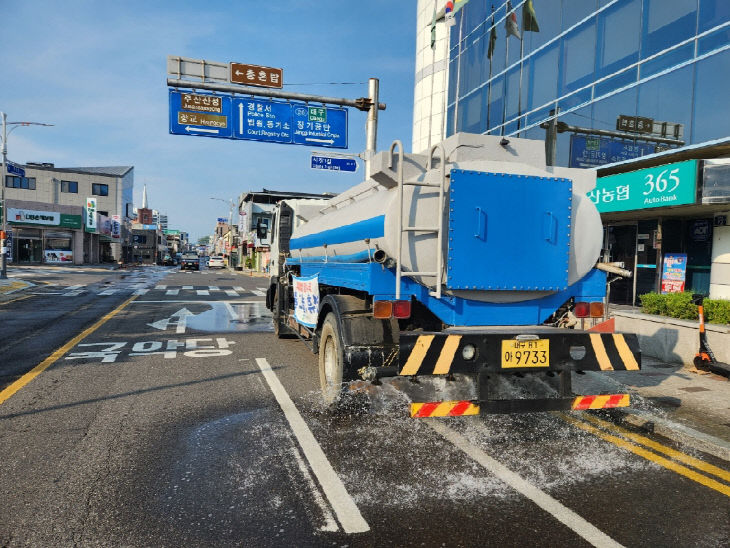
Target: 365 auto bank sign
(667, 185)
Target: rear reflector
(608, 401)
(444, 409)
(383, 310)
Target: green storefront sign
(65, 221)
(662, 186)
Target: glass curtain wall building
(594, 60)
(628, 66)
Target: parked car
(168, 261)
(190, 261)
(216, 261)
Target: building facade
(619, 86)
(69, 215)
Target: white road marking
(141, 291)
(565, 515)
(340, 500)
(187, 287)
(258, 293)
(109, 292)
(72, 287)
(160, 287)
(172, 292)
(238, 288)
(213, 288)
(203, 292)
(231, 293)
(330, 525)
(262, 289)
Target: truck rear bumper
(501, 351)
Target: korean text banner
(90, 215)
(306, 300)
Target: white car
(216, 261)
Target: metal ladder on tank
(437, 229)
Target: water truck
(448, 274)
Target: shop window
(70, 187)
(98, 189)
(26, 183)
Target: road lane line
(347, 512)
(562, 513)
(648, 455)
(50, 360)
(330, 525)
(658, 447)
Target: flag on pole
(492, 37)
(529, 19)
(511, 22)
(446, 14)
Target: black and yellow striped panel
(431, 355)
(612, 352)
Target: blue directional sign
(591, 151)
(334, 164)
(262, 120)
(320, 126)
(257, 120)
(15, 170)
(200, 114)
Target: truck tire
(276, 315)
(331, 361)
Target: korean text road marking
(53, 358)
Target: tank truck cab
(445, 269)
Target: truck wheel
(331, 361)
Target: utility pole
(4, 252)
(3, 233)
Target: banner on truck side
(306, 300)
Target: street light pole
(4, 232)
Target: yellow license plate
(534, 353)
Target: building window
(27, 183)
(97, 189)
(70, 186)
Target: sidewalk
(672, 401)
(249, 272)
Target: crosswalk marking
(187, 287)
(231, 293)
(109, 292)
(172, 292)
(258, 293)
(73, 287)
(141, 291)
(203, 292)
(213, 288)
(160, 287)
(238, 288)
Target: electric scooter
(705, 358)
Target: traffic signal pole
(4, 231)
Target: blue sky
(97, 70)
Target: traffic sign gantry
(257, 120)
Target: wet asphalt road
(162, 427)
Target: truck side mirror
(261, 231)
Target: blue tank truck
(449, 274)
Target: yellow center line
(661, 461)
(673, 453)
(50, 360)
